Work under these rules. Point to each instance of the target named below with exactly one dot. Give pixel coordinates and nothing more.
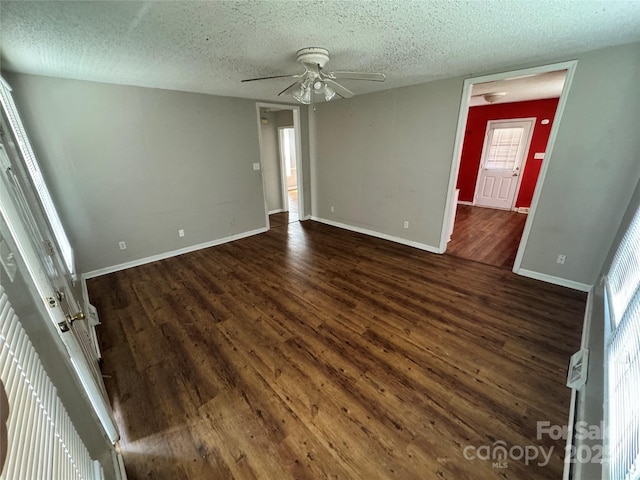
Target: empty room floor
(311, 352)
(293, 206)
(487, 235)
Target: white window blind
(624, 274)
(41, 439)
(623, 357)
(503, 148)
(31, 164)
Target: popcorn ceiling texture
(209, 46)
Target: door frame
(297, 129)
(570, 67)
(525, 155)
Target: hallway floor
(487, 235)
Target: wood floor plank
(486, 235)
(311, 352)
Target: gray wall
(284, 118)
(384, 158)
(270, 152)
(305, 135)
(135, 164)
(591, 397)
(594, 168)
(271, 162)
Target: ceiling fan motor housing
(313, 56)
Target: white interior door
(44, 260)
(505, 150)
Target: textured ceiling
(210, 46)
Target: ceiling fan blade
(339, 89)
(289, 88)
(268, 78)
(374, 77)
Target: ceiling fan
(314, 81)
(491, 97)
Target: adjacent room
(505, 139)
(304, 240)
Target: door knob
(515, 175)
(77, 316)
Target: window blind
(41, 439)
(503, 148)
(624, 274)
(37, 178)
(623, 357)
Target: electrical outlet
(332, 209)
(122, 245)
(561, 259)
(406, 224)
(181, 232)
(256, 166)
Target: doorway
(288, 171)
(280, 155)
(506, 129)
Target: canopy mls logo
(500, 454)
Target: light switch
(256, 166)
(539, 156)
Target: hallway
(487, 235)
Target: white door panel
(504, 153)
(44, 261)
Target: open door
(38, 246)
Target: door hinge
(50, 249)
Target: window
(623, 357)
(504, 145)
(31, 164)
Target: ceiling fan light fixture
(316, 81)
(494, 97)
(329, 93)
(303, 95)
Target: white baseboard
(173, 253)
(277, 210)
(464, 202)
(372, 233)
(563, 282)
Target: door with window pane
(504, 153)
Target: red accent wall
(474, 139)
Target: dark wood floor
(487, 235)
(310, 352)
